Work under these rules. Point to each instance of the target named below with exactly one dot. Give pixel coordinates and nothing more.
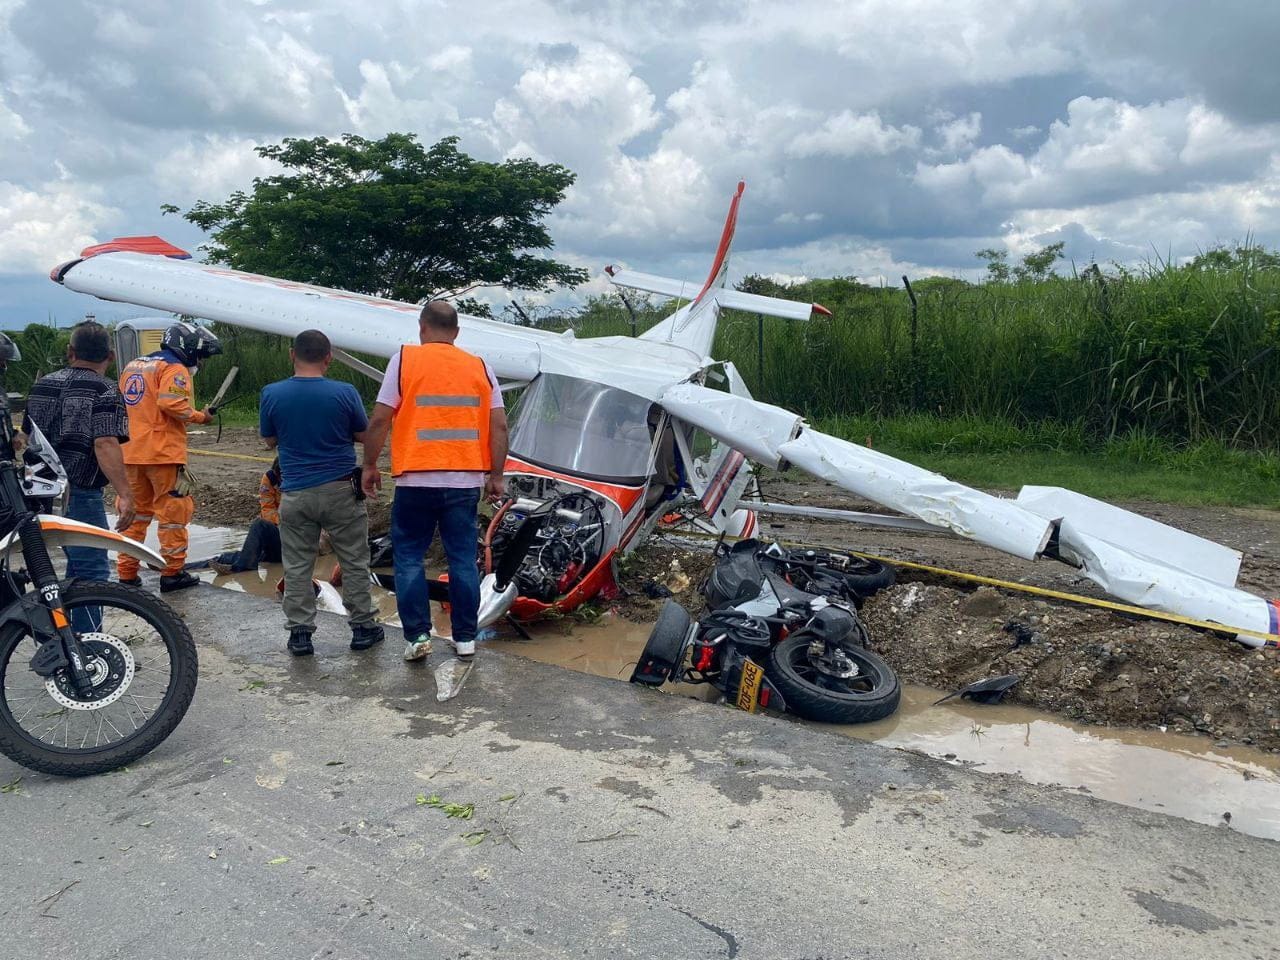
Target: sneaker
(300, 643)
(221, 568)
(135, 582)
(418, 648)
(365, 635)
(465, 649)
(178, 581)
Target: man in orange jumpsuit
(157, 394)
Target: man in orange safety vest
(157, 392)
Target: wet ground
(282, 818)
(1151, 769)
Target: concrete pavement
(283, 820)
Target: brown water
(1184, 776)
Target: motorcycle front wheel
(860, 688)
(144, 666)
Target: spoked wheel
(143, 664)
(849, 685)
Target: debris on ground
(646, 576)
(1089, 665)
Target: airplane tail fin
(694, 325)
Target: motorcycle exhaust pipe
(494, 602)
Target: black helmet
(9, 352)
(191, 342)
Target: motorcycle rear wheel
(145, 666)
(871, 694)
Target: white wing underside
(1137, 560)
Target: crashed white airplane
(601, 407)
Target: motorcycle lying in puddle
(92, 675)
(781, 631)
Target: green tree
(392, 218)
(1036, 266)
(997, 264)
(1247, 255)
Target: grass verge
(999, 455)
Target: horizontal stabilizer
(652, 283)
(726, 298)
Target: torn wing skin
(1194, 579)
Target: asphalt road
(283, 820)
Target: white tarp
(919, 493)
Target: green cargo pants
(303, 514)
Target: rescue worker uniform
(442, 397)
(157, 391)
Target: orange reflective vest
(157, 395)
(443, 419)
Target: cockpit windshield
(583, 428)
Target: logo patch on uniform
(179, 381)
(134, 388)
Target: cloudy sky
(876, 137)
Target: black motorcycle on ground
(781, 631)
(92, 675)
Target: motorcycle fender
(65, 532)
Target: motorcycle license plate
(749, 686)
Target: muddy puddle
(1165, 772)
(1169, 773)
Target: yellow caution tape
(1268, 639)
(238, 456)
(231, 456)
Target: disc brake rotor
(836, 664)
(111, 668)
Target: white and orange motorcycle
(92, 675)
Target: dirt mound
(654, 568)
(1086, 664)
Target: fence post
(760, 354)
(915, 368)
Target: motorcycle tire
(809, 693)
(125, 662)
(870, 578)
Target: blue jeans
(415, 514)
(87, 563)
(261, 544)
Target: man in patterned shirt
(82, 415)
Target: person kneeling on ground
(312, 421)
(262, 543)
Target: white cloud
(1105, 146)
(868, 147)
(453, 58)
(595, 89)
(850, 135)
(210, 168)
(959, 134)
(42, 226)
(12, 126)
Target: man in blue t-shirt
(312, 422)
